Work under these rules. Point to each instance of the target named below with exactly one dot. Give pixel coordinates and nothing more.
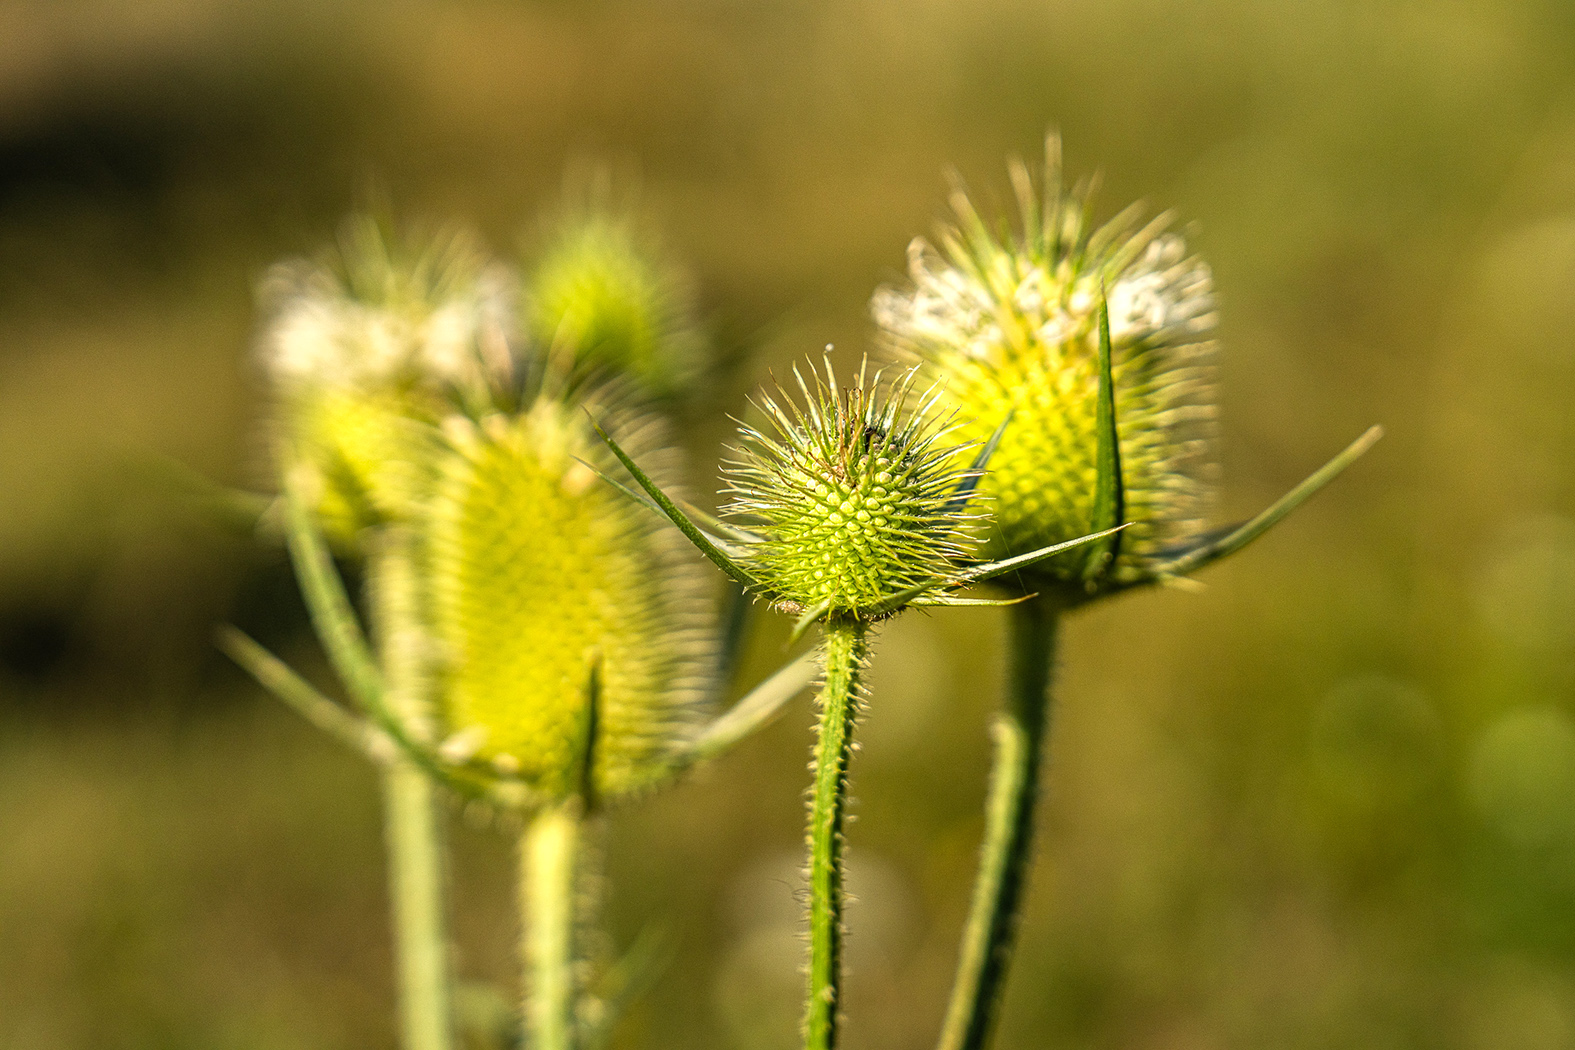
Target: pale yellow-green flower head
(1008, 324)
(544, 580)
(852, 497)
(366, 351)
(602, 295)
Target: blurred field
(1328, 803)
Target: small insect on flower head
(366, 350)
(1010, 326)
(852, 498)
(573, 626)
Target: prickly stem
(846, 655)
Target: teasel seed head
(573, 627)
(367, 350)
(1008, 325)
(851, 496)
(603, 297)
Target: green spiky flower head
(602, 294)
(1010, 326)
(366, 351)
(575, 632)
(853, 499)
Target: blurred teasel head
(366, 350)
(576, 636)
(1008, 326)
(852, 498)
(602, 296)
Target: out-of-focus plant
(541, 645)
(601, 293)
(1094, 343)
(845, 510)
(365, 352)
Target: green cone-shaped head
(366, 352)
(602, 293)
(543, 575)
(852, 496)
(1010, 325)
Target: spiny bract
(542, 576)
(853, 498)
(604, 295)
(366, 352)
(1011, 326)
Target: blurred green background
(1327, 803)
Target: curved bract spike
(810, 616)
(379, 737)
(970, 483)
(950, 600)
(230, 508)
(755, 709)
(712, 523)
(991, 570)
(1221, 543)
(586, 759)
(278, 678)
(721, 532)
(735, 618)
(703, 543)
(1109, 492)
(988, 571)
(628, 979)
(329, 606)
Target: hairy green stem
(846, 653)
(412, 820)
(550, 860)
(1020, 732)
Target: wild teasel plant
(563, 644)
(580, 658)
(364, 352)
(1095, 343)
(417, 431)
(845, 510)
